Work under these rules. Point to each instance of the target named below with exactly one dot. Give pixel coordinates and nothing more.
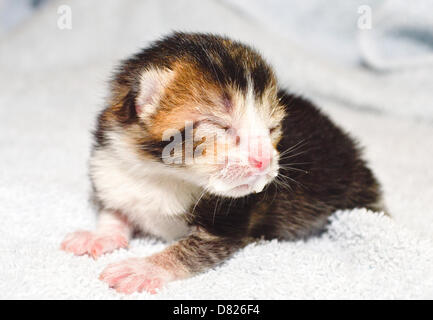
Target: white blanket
(52, 83)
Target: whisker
(214, 212)
(295, 163)
(294, 155)
(201, 196)
(228, 210)
(291, 179)
(275, 193)
(292, 148)
(293, 169)
(283, 182)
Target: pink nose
(258, 162)
(259, 155)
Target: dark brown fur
(324, 171)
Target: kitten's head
(207, 107)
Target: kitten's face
(240, 155)
(217, 122)
(221, 138)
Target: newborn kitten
(199, 144)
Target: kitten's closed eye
(273, 129)
(218, 124)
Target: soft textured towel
(52, 84)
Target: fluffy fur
(200, 85)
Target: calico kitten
(199, 144)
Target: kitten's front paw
(93, 243)
(136, 274)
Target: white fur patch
(152, 84)
(146, 192)
(252, 125)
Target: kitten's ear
(152, 85)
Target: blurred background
(368, 64)
(378, 53)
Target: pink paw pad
(93, 243)
(136, 275)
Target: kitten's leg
(196, 253)
(113, 232)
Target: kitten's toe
(77, 242)
(136, 275)
(108, 243)
(93, 243)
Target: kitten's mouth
(242, 187)
(257, 185)
(252, 184)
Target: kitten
(199, 144)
